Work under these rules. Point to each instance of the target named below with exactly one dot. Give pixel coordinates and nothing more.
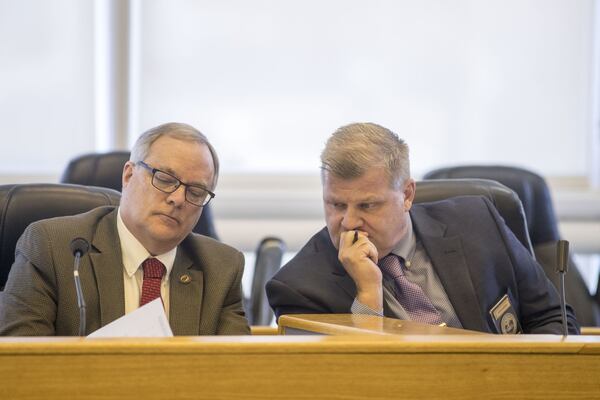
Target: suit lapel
(326, 255)
(107, 264)
(186, 295)
(343, 280)
(449, 261)
(338, 274)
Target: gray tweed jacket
(40, 300)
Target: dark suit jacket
(40, 299)
(475, 255)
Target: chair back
(23, 204)
(503, 198)
(268, 261)
(542, 225)
(97, 169)
(529, 186)
(106, 170)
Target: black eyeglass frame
(153, 170)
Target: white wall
(46, 85)
(463, 81)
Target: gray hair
(176, 130)
(357, 147)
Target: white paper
(149, 320)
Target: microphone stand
(79, 247)
(562, 266)
(80, 299)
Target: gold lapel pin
(185, 278)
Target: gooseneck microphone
(562, 266)
(79, 247)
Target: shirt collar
(134, 253)
(407, 246)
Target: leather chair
(504, 199)
(23, 204)
(106, 170)
(542, 227)
(268, 261)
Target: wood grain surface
(302, 367)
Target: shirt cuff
(360, 308)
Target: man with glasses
(142, 250)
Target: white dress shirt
(134, 255)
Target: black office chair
(542, 226)
(268, 261)
(106, 170)
(503, 198)
(23, 204)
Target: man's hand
(359, 259)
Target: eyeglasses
(167, 183)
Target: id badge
(505, 318)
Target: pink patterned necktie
(410, 295)
(154, 270)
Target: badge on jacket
(504, 317)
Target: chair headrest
(97, 169)
(23, 204)
(503, 198)
(529, 186)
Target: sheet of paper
(149, 320)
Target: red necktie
(154, 270)
(410, 295)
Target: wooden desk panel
(359, 324)
(263, 330)
(590, 330)
(302, 367)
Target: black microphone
(562, 266)
(79, 247)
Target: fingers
(371, 250)
(356, 244)
(350, 238)
(373, 253)
(359, 259)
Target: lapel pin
(185, 278)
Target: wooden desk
(302, 367)
(263, 330)
(590, 330)
(349, 324)
(353, 324)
